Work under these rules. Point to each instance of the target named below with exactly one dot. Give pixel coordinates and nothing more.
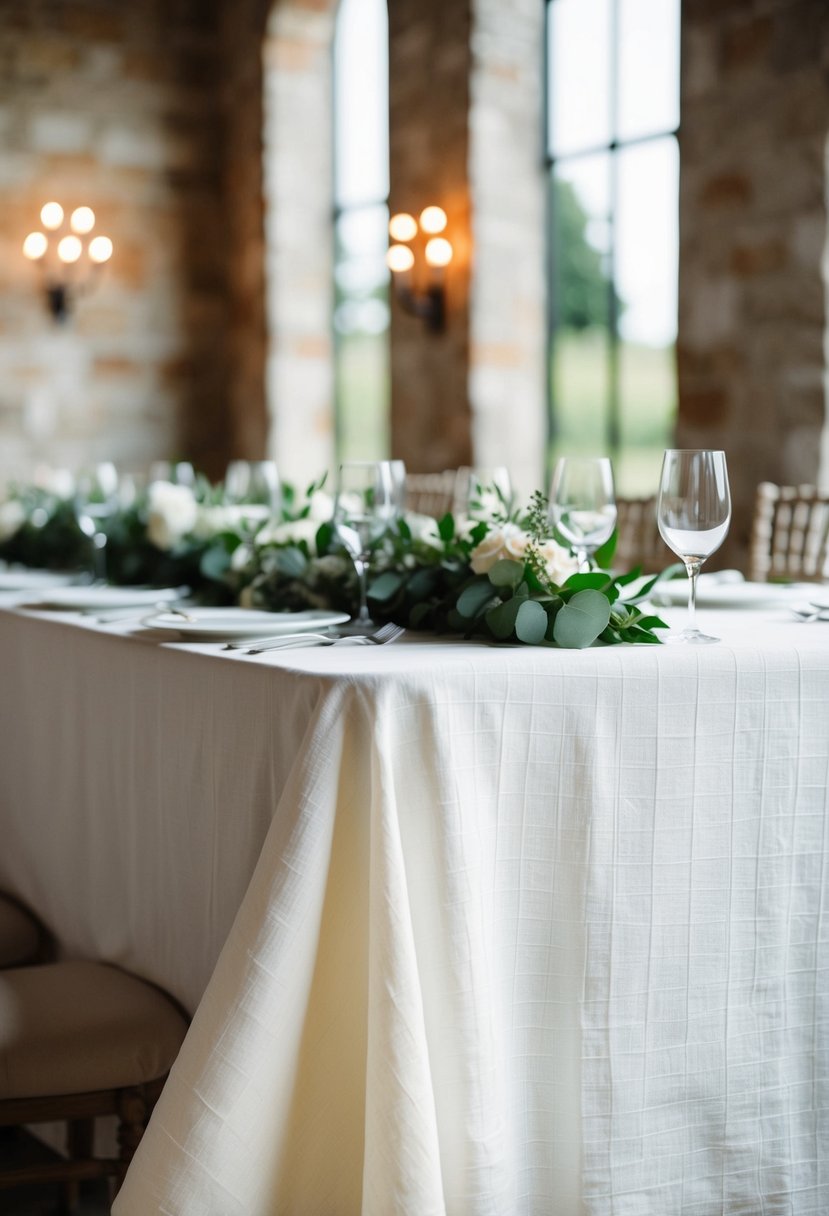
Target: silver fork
(384, 635)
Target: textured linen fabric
(532, 932)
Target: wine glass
(398, 477)
(363, 510)
(96, 499)
(484, 492)
(254, 485)
(583, 504)
(693, 512)
(180, 473)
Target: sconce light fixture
(70, 257)
(412, 237)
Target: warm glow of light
(69, 249)
(35, 245)
(432, 220)
(399, 258)
(51, 215)
(100, 249)
(82, 220)
(438, 252)
(402, 227)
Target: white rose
(558, 563)
(172, 512)
(505, 542)
(12, 518)
(321, 506)
(291, 533)
(241, 556)
(516, 543)
(424, 529)
(59, 482)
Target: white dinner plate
(31, 580)
(224, 624)
(712, 593)
(103, 597)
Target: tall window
(361, 188)
(612, 117)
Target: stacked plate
(226, 624)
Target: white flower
(321, 506)
(229, 517)
(59, 482)
(558, 563)
(507, 541)
(172, 512)
(424, 529)
(290, 533)
(12, 518)
(242, 555)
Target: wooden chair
(19, 934)
(431, 493)
(639, 542)
(790, 534)
(79, 1040)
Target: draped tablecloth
(508, 930)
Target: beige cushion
(19, 937)
(70, 1028)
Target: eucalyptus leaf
(291, 561)
(475, 598)
(506, 573)
(596, 579)
(581, 620)
(501, 619)
(531, 623)
(214, 563)
(386, 585)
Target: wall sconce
(429, 301)
(71, 260)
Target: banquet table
(465, 929)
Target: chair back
(790, 534)
(639, 542)
(430, 493)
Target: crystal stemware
(180, 473)
(254, 482)
(96, 499)
(363, 511)
(483, 493)
(693, 512)
(583, 504)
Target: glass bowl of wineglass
(364, 509)
(96, 500)
(583, 504)
(693, 511)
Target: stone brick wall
(116, 106)
(429, 75)
(753, 229)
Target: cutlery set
(295, 641)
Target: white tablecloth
(529, 931)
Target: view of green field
(647, 407)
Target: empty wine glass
(180, 472)
(398, 477)
(693, 512)
(96, 499)
(482, 493)
(253, 482)
(363, 510)
(583, 504)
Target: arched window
(361, 188)
(612, 118)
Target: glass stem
(99, 547)
(361, 566)
(693, 569)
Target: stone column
(752, 307)
(429, 65)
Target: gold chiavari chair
(790, 534)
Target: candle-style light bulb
(399, 259)
(433, 220)
(35, 246)
(402, 227)
(100, 249)
(69, 249)
(51, 216)
(438, 252)
(82, 220)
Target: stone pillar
(508, 305)
(752, 307)
(299, 236)
(429, 65)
